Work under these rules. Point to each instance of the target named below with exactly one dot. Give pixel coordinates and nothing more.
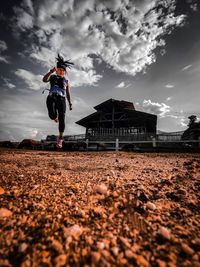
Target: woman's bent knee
(52, 116)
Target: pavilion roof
(133, 116)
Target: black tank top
(61, 82)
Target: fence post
(117, 144)
(154, 141)
(87, 143)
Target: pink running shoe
(59, 143)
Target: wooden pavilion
(119, 119)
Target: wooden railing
(135, 145)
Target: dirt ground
(99, 209)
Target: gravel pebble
(165, 233)
(57, 245)
(5, 212)
(96, 257)
(23, 247)
(100, 245)
(161, 263)
(182, 192)
(188, 250)
(151, 206)
(142, 262)
(102, 189)
(74, 230)
(129, 254)
(115, 251)
(60, 260)
(2, 191)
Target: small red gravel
(99, 209)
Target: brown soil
(99, 209)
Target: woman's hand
(48, 75)
(53, 70)
(70, 106)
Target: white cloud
(163, 52)
(3, 48)
(169, 98)
(20, 117)
(81, 77)
(80, 104)
(121, 85)
(8, 83)
(4, 59)
(169, 86)
(194, 7)
(26, 20)
(179, 120)
(160, 109)
(172, 123)
(186, 67)
(122, 33)
(33, 82)
(18, 133)
(183, 122)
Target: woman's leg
(51, 106)
(61, 107)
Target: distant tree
(192, 120)
(193, 130)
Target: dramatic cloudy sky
(143, 51)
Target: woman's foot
(56, 120)
(59, 143)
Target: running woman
(59, 91)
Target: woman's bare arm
(68, 96)
(48, 75)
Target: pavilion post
(117, 144)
